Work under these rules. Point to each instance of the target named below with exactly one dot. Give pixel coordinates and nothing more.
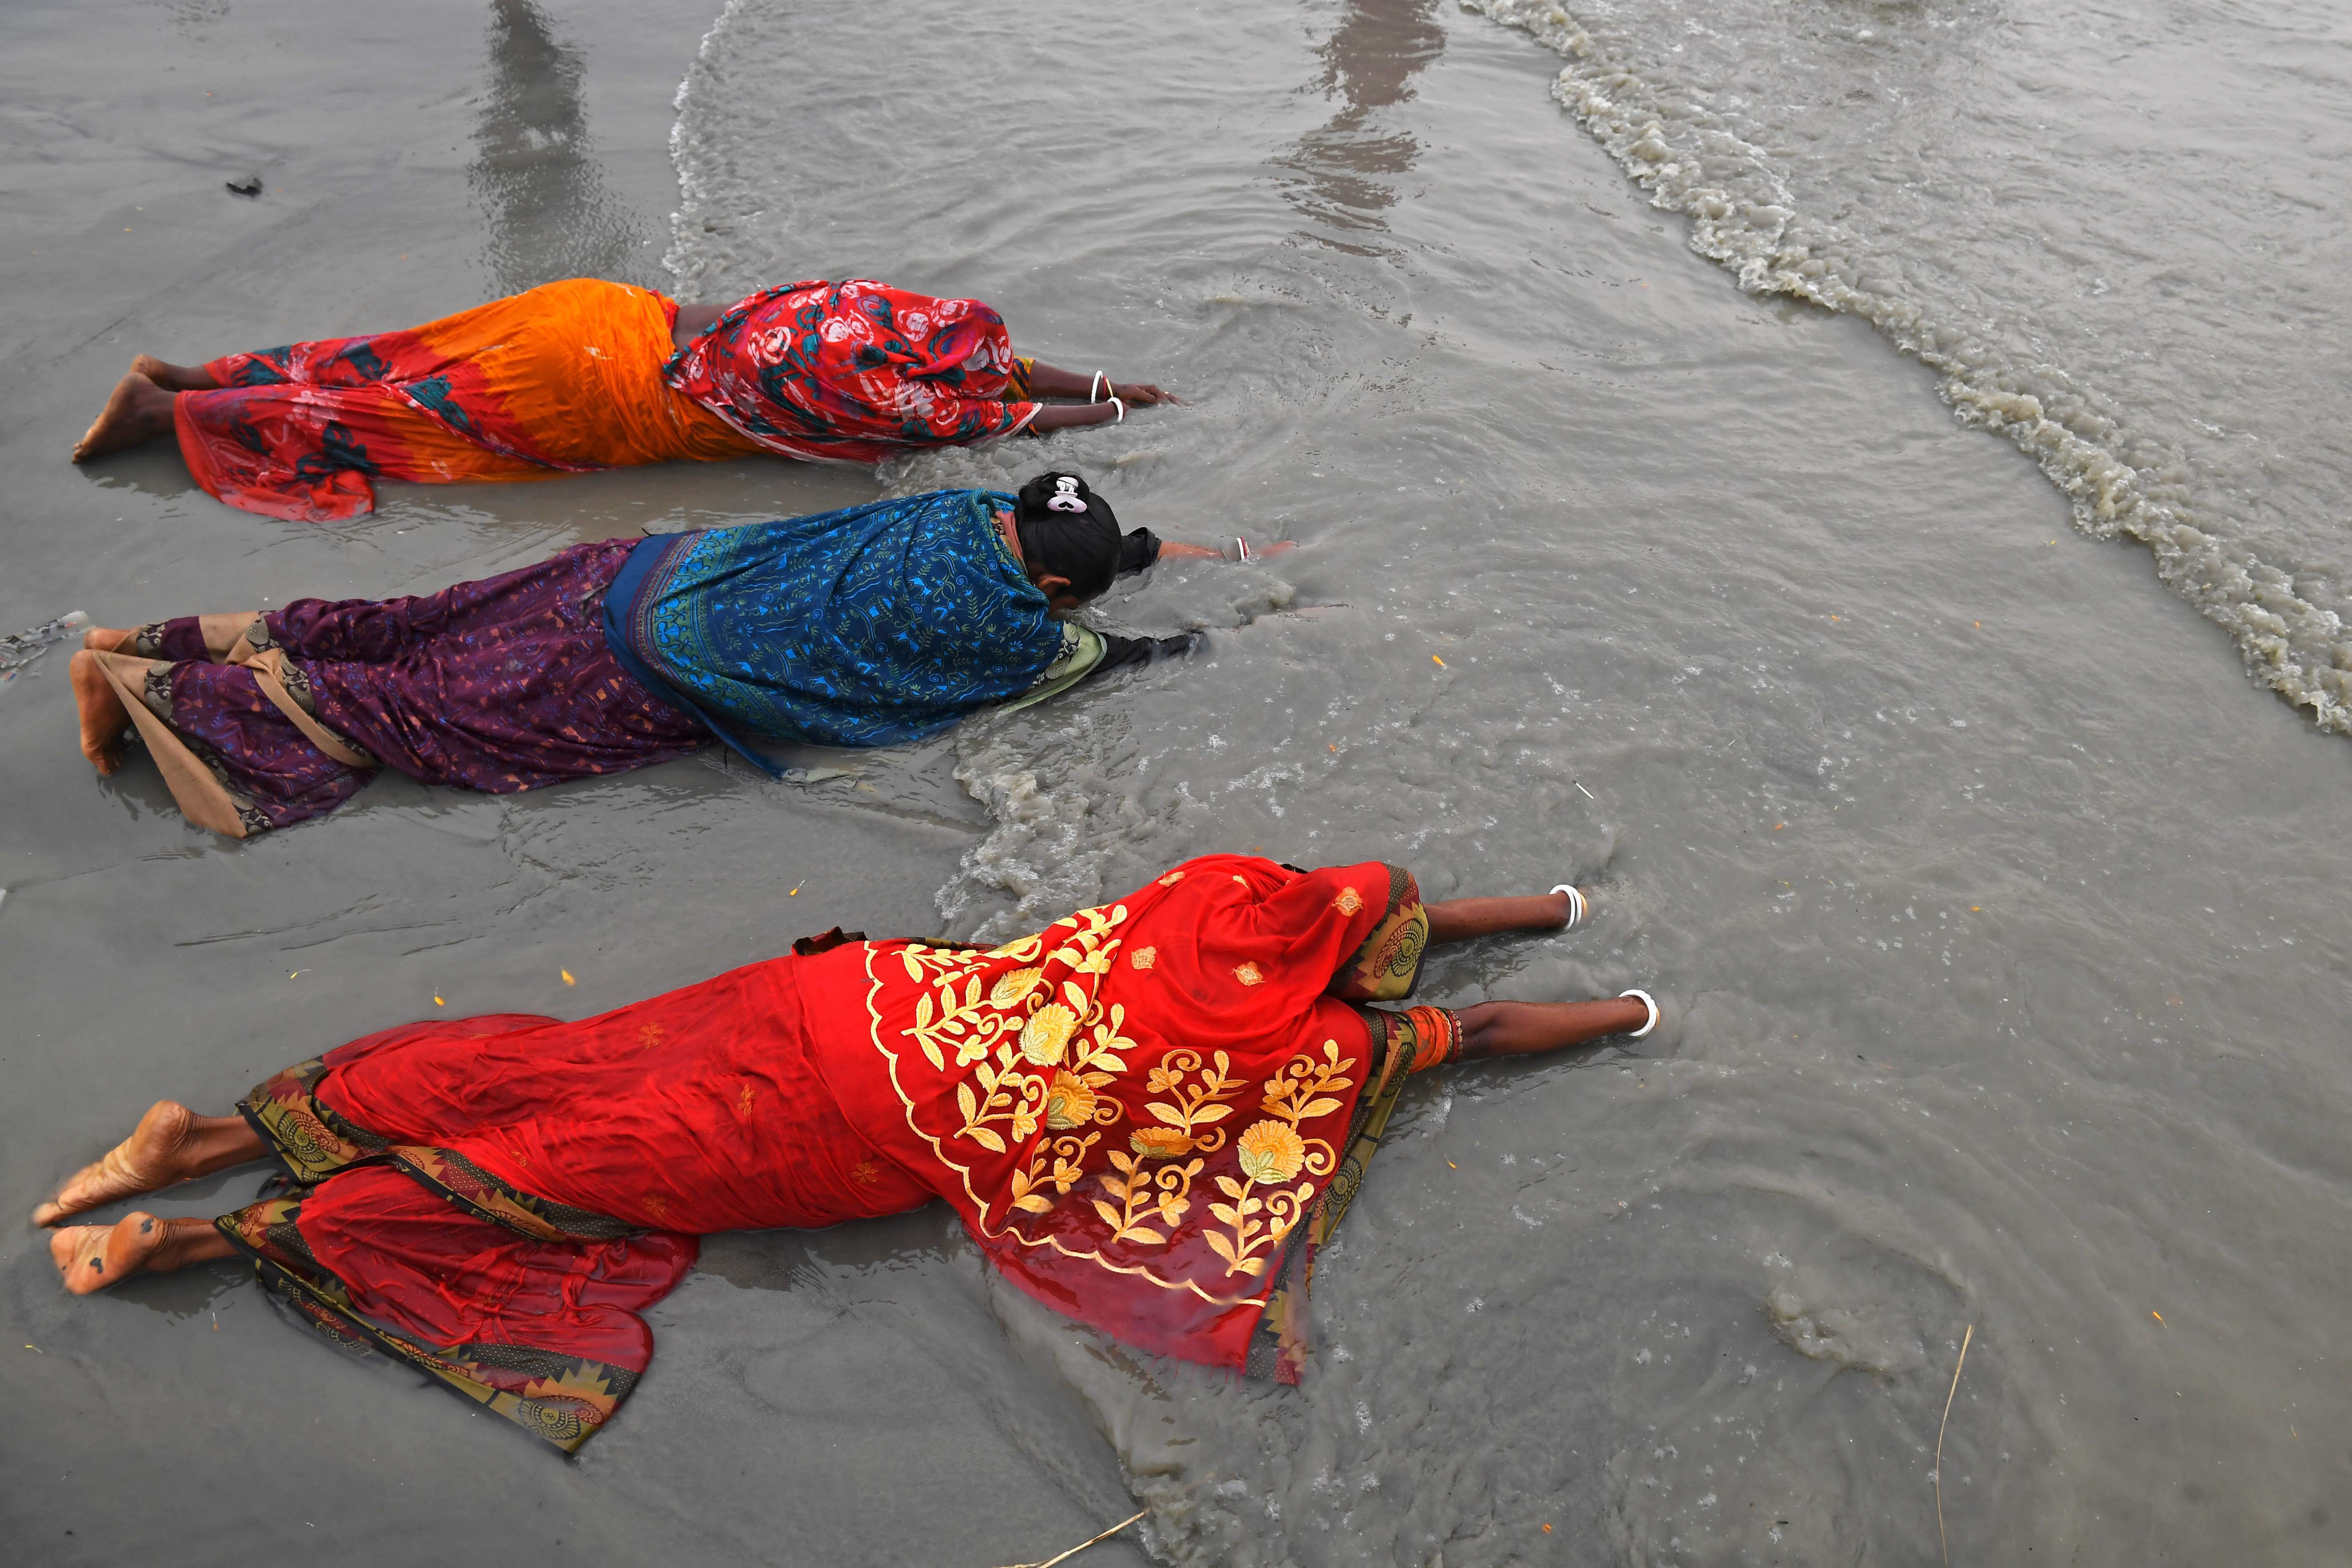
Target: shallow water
(1999, 914)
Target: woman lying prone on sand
(1148, 1115)
(871, 626)
(581, 375)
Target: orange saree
(563, 379)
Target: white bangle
(1648, 1001)
(1118, 412)
(1576, 906)
(1097, 387)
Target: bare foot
(103, 717)
(92, 1256)
(172, 1144)
(108, 639)
(172, 377)
(139, 411)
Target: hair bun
(1068, 531)
(1060, 495)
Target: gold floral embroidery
(1253, 1235)
(1062, 1174)
(1160, 1142)
(1047, 1034)
(1038, 1063)
(651, 1035)
(865, 1172)
(1171, 879)
(1192, 1110)
(1188, 1118)
(1272, 1152)
(1242, 882)
(743, 1101)
(1249, 975)
(1071, 1101)
(1348, 901)
(1297, 1094)
(1012, 988)
(968, 1024)
(1031, 1025)
(1161, 1194)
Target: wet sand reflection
(1346, 167)
(550, 212)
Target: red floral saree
(1133, 1111)
(856, 371)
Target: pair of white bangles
(1098, 389)
(1577, 910)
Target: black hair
(1066, 530)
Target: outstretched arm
(1459, 919)
(1070, 415)
(1052, 380)
(1522, 1029)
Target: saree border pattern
(1386, 967)
(564, 1399)
(1402, 1043)
(313, 1142)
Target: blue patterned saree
(867, 626)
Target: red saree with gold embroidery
(1133, 1112)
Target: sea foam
(1971, 198)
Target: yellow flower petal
(1271, 1152)
(1014, 986)
(1046, 1036)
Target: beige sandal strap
(268, 667)
(224, 634)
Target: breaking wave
(1965, 184)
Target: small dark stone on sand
(247, 185)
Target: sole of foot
(123, 422)
(140, 1163)
(103, 717)
(92, 1256)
